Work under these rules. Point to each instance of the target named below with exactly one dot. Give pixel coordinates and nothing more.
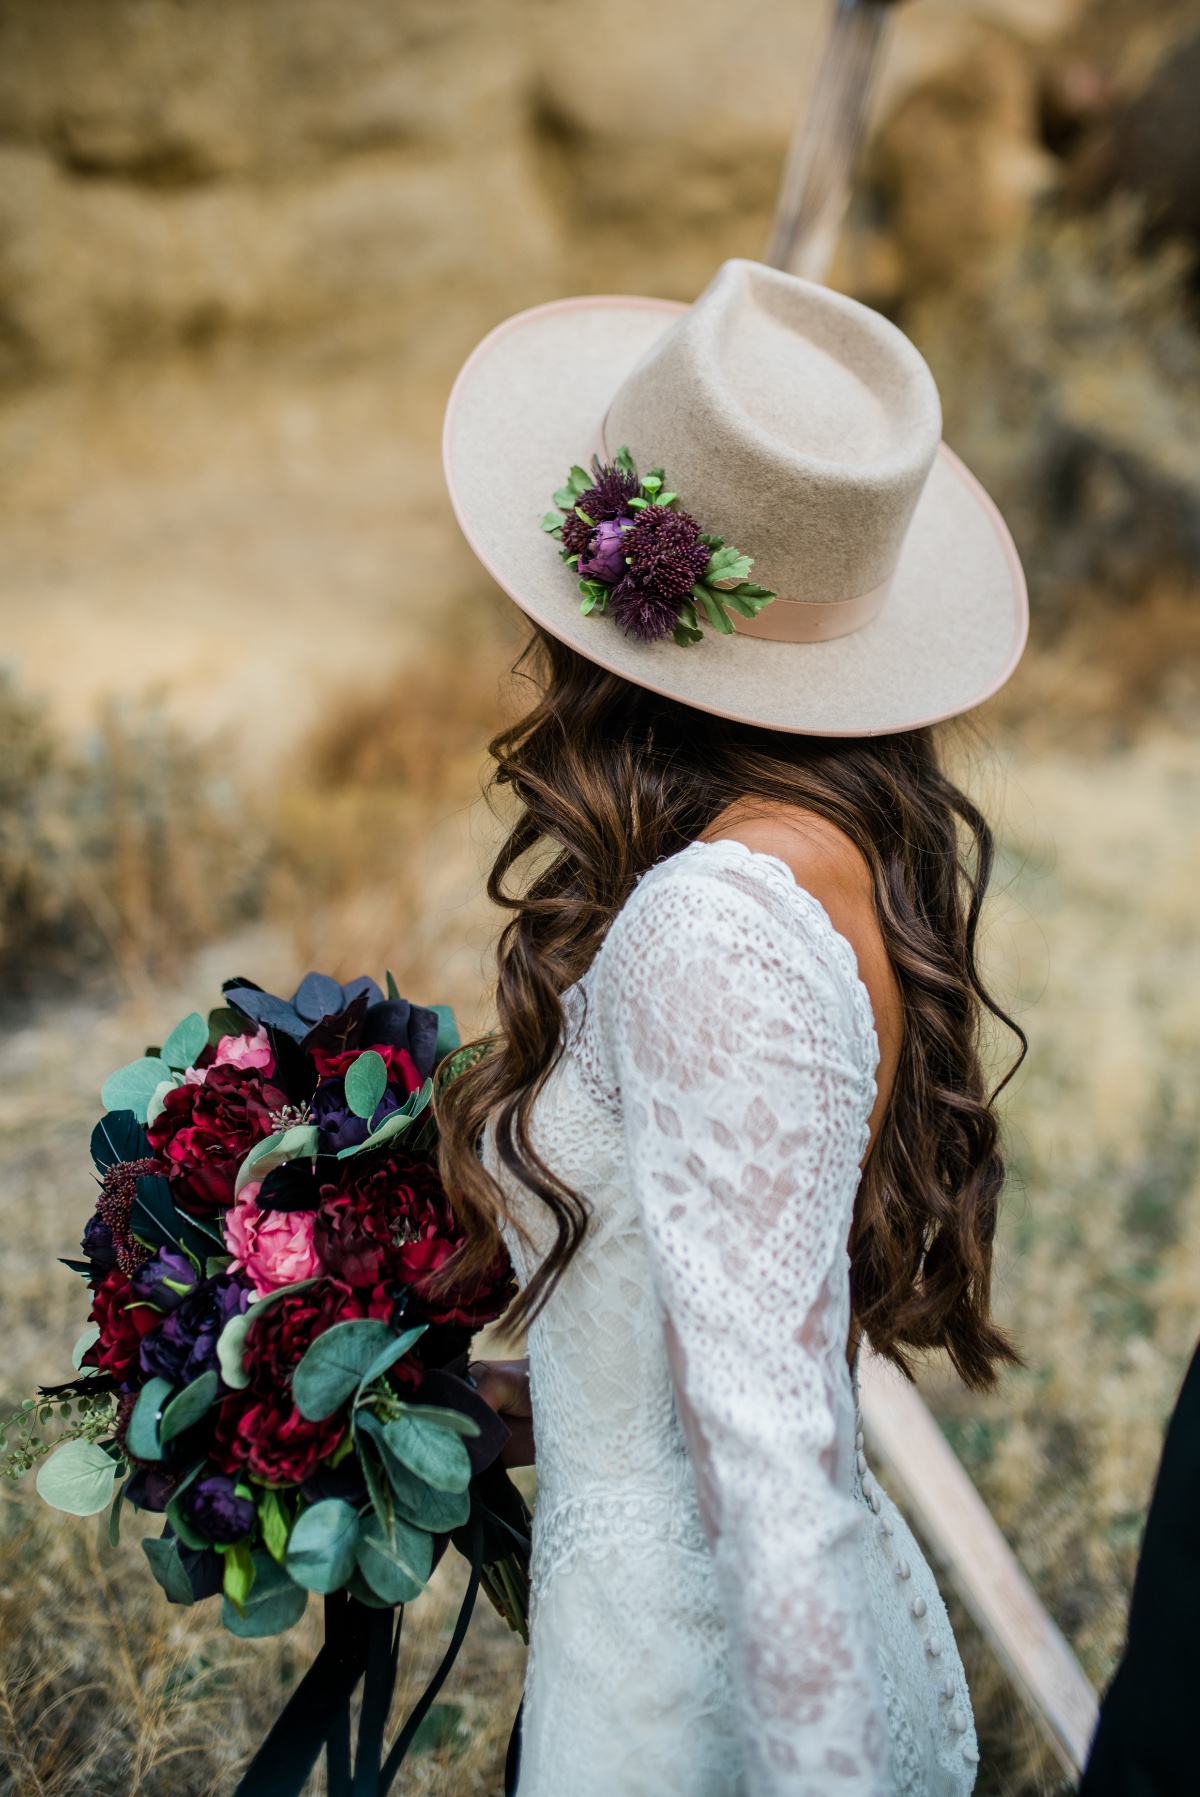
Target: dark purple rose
(150, 1488)
(184, 1344)
(218, 1511)
(605, 558)
(98, 1246)
(339, 1126)
(608, 499)
(159, 1280)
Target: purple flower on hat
(605, 558)
(159, 1280)
(184, 1344)
(641, 612)
(607, 501)
(218, 1511)
(665, 552)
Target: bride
(734, 1120)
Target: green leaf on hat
(685, 635)
(366, 1083)
(132, 1087)
(579, 480)
(565, 499)
(625, 462)
(665, 498)
(552, 523)
(728, 563)
(322, 1545)
(77, 1478)
(652, 482)
(637, 505)
(275, 1602)
(187, 1040)
(717, 616)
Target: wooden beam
(961, 1534)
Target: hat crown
(797, 423)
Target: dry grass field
(251, 671)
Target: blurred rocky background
(250, 666)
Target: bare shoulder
(822, 858)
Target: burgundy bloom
(184, 1344)
(340, 1126)
(121, 1330)
(217, 1511)
(205, 1132)
(665, 552)
(642, 613)
(260, 1428)
(605, 558)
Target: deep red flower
(260, 1428)
(401, 1068)
(121, 1330)
(206, 1131)
(389, 1222)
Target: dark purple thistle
(665, 552)
(605, 558)
(642, 613)
(608, 499)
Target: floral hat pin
(649, 567)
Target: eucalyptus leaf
(395, 1562)
(114, 1518)
(132, 1087)
(433, 1453)
(78, 1478)
(183, 1525)
(334, 1364)
(186, 1409)
(388, 1356)
(142, 1436)
(275, 1602)
(413, 1499)
(187, 1040)
(456, 1421)
(168, 1568)
(448, 1038)
(322, 1544)
(366, 1083)
(396, 1123)
(158, 1101)
(299, 1142)
(90, 1336)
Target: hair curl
(610, 778)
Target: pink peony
(246, 1051)
(272, 1247)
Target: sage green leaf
(298, 1143)
(685, 636)
(78, 1478)
(394, 1124)
(378, 1489)
(626, 462)
(652, 482)
(388, 1356)
(275, 1602)
(552, 523)
(334, 1364)
(434, 1454)
(665, 498)
(711, 542)
(448, 1038)
(167, 1567)
(565, 499)
(231, 1343)
(637, 505)
(358, 1588)
(717, 616)
(114, 1518)
(157, 1102)
(366, 1083)
(321, 1547)
(183, 1525)
(142, 1433)
(456, 1421)
(395, 1562)
(413, 1499)
(193, 1402)
(579, 480)
(132, 1087)
(240, 1573)
(728, 564)
(188, 1039)
(90, 1336)
(223, 1022)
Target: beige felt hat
(794, 422)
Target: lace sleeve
(742, 1047)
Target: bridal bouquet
(276, 1360)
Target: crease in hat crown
(798, 422)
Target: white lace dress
(725, 1603)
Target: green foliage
(132, 1087)
(322, 1546)
(366, 1083)
(274, 1601)
(186, 1041)
(395, 1559)
(189, 1406)
(79, 1478)
(167, 1568)
(334, 1364)
(434, 1453)
(142, 1435)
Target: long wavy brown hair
(610, 778)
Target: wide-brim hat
(799, 425)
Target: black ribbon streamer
(360, 1643)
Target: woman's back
(708, 1622)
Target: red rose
(389, 1222)
(123, 1322)
(261, 1428)
(205, 1132)
(401, 1068)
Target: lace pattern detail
(707, 1618)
